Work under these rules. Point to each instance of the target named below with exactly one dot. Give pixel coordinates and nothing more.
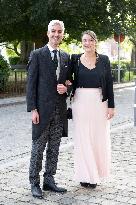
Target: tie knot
(54, 51)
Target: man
(46, 99)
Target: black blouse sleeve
(71, 70)
(109, 84)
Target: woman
(92, 107)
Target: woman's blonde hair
(90, 33)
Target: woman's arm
(109, 85)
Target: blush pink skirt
(92, 146)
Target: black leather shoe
(93, 186)
(84, 184)
(36, 191)
(53, 187)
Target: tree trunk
(41, 41)
(133, 57)
(26, 47)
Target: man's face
(55, 35)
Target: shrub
(4, 73)
(124, 65)
(129, 75)
(14, 60)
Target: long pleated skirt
(92, 146)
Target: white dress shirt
(58, 57)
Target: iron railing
(16, 84)
(126, 74)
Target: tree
(131, 29)
(4, 73)
(13, 45)
(27, 20)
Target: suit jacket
(104, 72)
(42, 88)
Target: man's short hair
(53, 22)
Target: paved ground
(15, 145)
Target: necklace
(90, 63)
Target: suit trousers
(52, 137)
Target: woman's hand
(110, 113)
(68, 83)
(35, 117)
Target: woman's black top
(88, 78)
(100, 76)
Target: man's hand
(61, 89)
(110, 113)
(35, 117)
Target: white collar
(51, 49)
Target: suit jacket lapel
(62, 65)
(62, 58)
(48, 60)
(46, 53)
(49, 63)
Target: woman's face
(88, 43)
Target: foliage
(10, 52)
(14, 60)
(124, 66)
(28, 20)
(13, 48)
(73, 47)
(129, 76)
(4, 72)
(131, 22)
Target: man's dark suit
(42, 95)
(41, 88)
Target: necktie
(55, 59)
